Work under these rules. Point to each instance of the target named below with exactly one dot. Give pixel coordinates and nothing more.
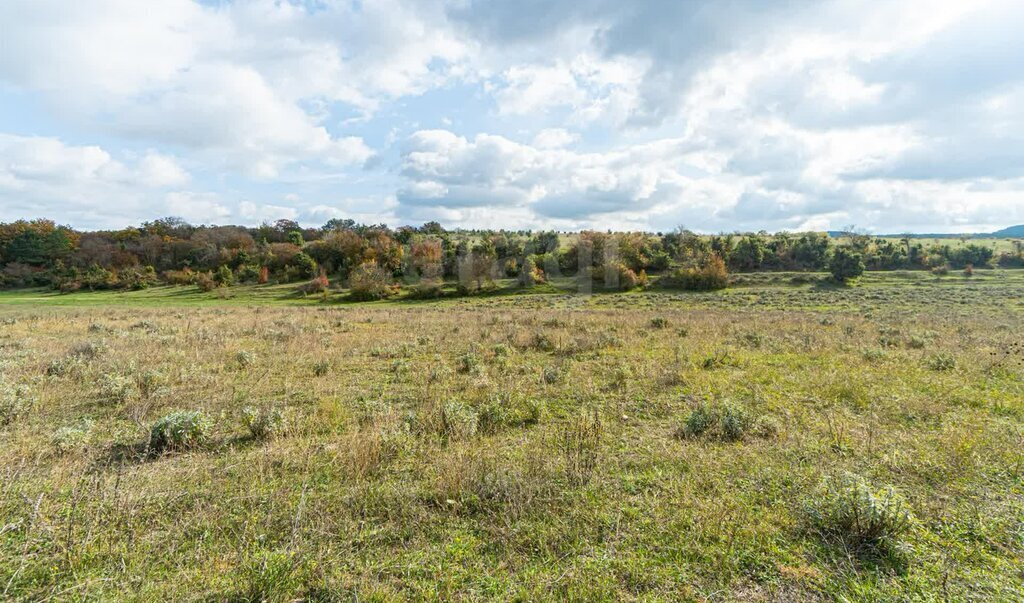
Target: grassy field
(997, 244)
(648, 445)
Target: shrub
(137, 278)
(318, 284)
(179, 277)
(493, 414)
(735, 422)
(534, 411)
(530, 274)
(845, 264)
(543, 342)
(180, 430)
(699, 421)
(263, 423)
(116, 388)
(728, 422)
(206, 282)
(247, 273)
(148, 382)
(304, 265)
(71, 437)
(427, 288)
(224, 276)
(942, 362)
(321, 367)
(870, 523)
(88, 350)
(711, 274)
(14, 402)
(659, 322)
(458, 421)
(369, 282)
(63, 366)
(245, 359)
(552, 374)
(619, 276)
(469, 363)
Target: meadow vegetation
(786, 438)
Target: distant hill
(1010, 232)
(1013, 231)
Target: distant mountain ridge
(1011, 231)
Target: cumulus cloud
(41, 176)
(720, 115)
(447, 170)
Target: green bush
(697, 422)
(469, 363)
(180, 430)
(321, 367)
(942, 362)
(71, 437)
(727, 422)
(735, 422)
(869, 523)
(14, 402)
(458, 421)
(846, 264)
(263, 423)
(534, 411)
(116, 388)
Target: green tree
(305, 265)
(846, 264)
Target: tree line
(375, 258)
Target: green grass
(526, 446)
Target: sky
(715, 115)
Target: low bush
(468, 363)
(180, 430)
(245, 359)
(869, 523)
(71, 437)
(14, 402)
(205, 282)
(179, 277)
(116, 388)
(708, 275)
(316, 285)
(368, 281)
(727, 422)
(428, 288)
(534, 411)
(263, 423)
(458, 421)
(321, 367)
(942, 362)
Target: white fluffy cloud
(42, 176)
(744, 114)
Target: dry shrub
(369, 282)
(708, 275)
